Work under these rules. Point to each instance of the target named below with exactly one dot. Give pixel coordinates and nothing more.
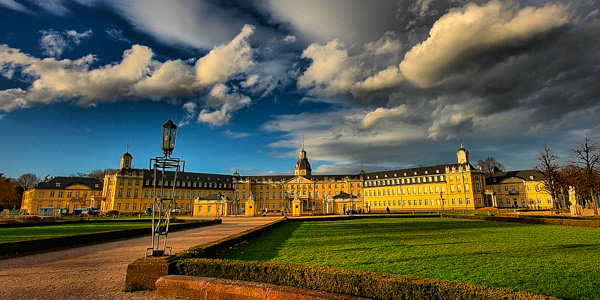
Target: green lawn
(553, 260)
(40, 232)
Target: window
(60, 194)
(51, 194)
(69, 194)
(41, 194)
(126, 206)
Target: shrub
(532, 220)
(351, 282)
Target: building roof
(527, 175)
(64, 182)
(410, 172)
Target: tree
(9, 193)
(586, 163)
(78, 174)
(28, 181)
(490, 166)
(551, 176)
(99, 174)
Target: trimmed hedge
(213, 248)
(531, 220)
(21, 247)
(351, 282)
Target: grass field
(552, 260)
(32, 233)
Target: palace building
(457, 186)
(517, 189)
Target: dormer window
(58, 184)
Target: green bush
(351, 282)
(20, 247)
(532, 220)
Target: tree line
(581, 172)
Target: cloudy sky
(367, 84)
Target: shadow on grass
(264, 247)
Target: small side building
(521, 189)
(63, 193)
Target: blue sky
(373, 85)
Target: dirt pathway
(98, 271)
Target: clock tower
(303, 166)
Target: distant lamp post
(165, 180)
(442, 199)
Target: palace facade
(456, 186)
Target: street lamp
(169, 133)
(442, 199)
(164, 167)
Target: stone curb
(203, 288)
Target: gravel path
(98, 271)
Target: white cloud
(199, 24)
(251, 81)
(385, 79)
(237, 135)
(450, 120)
(138, 75)
(353, 22)
(117, 35)
(226, 60)
(14, 5)
(221, 104)
(190, 113)
(172, 78)
(55, 43)
(330, 72)
(472, 31)
(289, 39)
(381, 114)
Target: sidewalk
(98, 271)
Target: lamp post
(164, 197)
(442, 199)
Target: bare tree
(551, 176)
(586, 163)
(99, 174)
(490, 166)
(78, 174)
(28, 181)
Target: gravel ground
(98, 271)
